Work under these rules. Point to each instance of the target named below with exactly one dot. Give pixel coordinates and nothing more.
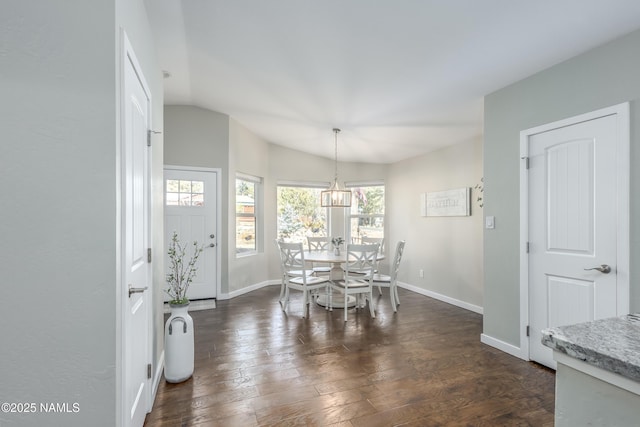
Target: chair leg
(346, 299)
(372, 309)
(286, 299)
(393, 299)
(282, 289)
(380, 290)
(305, 304)
(395, 291)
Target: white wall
(58, 169)
(448, 249)
(248, 154)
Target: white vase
(336, 251)
(178, 344)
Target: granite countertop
(611, 344)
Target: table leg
(337, 273)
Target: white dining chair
(358, 277)
(300, 272)
(370, 241)
(391, 280)
(319, 244)
(292, 256)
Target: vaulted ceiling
(401, 78)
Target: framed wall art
(446, 203)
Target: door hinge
(527, 330)
(527, 247)
(148, 254)
(149, 132)
(149, 371)
(526, 162)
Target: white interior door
(136, 281)
(573, 227)
(190, 209)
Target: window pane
(300, 214)
(366, 227)
(369, 206)
(197, 186)
(368, 200)
(197, 199)
(173, 185)
(245, 234)
(245, 216)
(172, 199)
(184, 193)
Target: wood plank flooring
(422, 366)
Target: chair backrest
(361, 259)
(277, 242)
(318, 243)
(393, 273)
(372, 240)
(292, 255)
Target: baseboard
(421, 291)
(248, 289)
(157, 377)
(503, 346)
(443, 298)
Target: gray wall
(200, 138)
(448, 249)
(58, 165)
(602, 77)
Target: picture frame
(456, 202)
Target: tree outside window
(300, 214)
(367, 212)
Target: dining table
(337, 273)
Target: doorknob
(133, 290)
(212, 236)
(212, 245)
(604, 268)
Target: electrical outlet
(421, 273)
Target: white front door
(573, 227)
(190, 210)
(136, 280)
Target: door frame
(621, 111)
(127, 54)
(218, 172)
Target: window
(181, 192)
(366, 216)
(299, 212)
(247, 207)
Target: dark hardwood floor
(422, 366)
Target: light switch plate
(490, 222)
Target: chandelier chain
(336, 130)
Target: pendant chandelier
(335, 197)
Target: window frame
(350, 216)
(257, 182)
